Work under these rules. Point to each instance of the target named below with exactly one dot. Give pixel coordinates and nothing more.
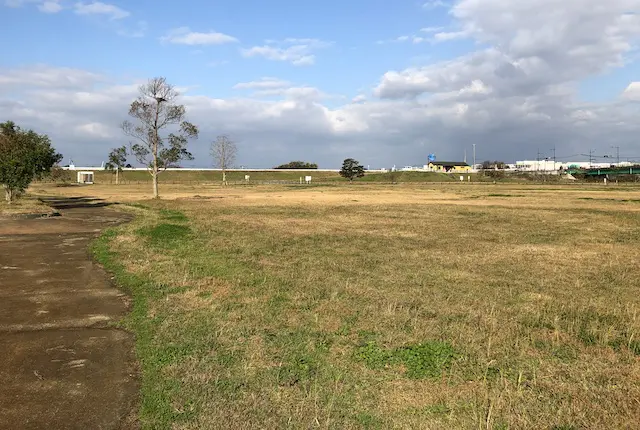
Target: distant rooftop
(448, 163)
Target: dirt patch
(63, 365)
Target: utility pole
(465, 155)
(474, 155)
(538, 161)
(591, 151)
(554, 158)
(617, 155)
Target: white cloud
(274, 87)
(632, 92)
(45, 6)
(298, 52)
(431, 29)
(449, 35)
(52, 6)
(432, 4)
(536, 45)
(264, 83)
(184, 36)
(95, 130)
(293, 93)
(439, 36)
(46, 76)
(516, 89)
(17, 3)
(280, 121)
(99, 8)
(114, 14)
(360, 98)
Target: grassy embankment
(379, 307)
(188, 176)
(134, 177)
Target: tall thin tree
(154, 111)
(117, 160)
(223, 151)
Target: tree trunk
(156, 142)
(117, 176)
(154, 175)
(224, 177)
(8, 194)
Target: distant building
(551, 166)
(449, 166)
(537, 166)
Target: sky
(386, 82)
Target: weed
(373, 356)
(437, 409)
(299, 369)
(423, 360)
(369, 421)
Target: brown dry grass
(262, 310)
(22, 206)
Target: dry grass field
(25, 205)
(371, 306)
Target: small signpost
(246, 178)
(307, 179)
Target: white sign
(461, 178)
(307, 179)
(246, 178)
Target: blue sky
(384, 81)
(351, 28)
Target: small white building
(85, 177)
(537, 166)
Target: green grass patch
(157, 410)
(165, 235)
(173, 215)
(424, 360)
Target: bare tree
(223, 151)
(154, 110)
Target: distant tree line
(297, 165)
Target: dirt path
(61, 365)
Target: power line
(590, 155)
(617, 154)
